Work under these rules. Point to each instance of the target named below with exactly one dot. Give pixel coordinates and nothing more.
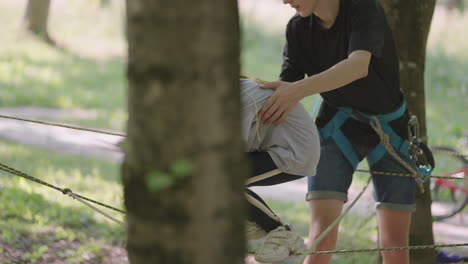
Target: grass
(34, 216)
(35, 74)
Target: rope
(253, 79)
(65, 126)
(74, 196)
(411, 175)
(385, 141)
(351, 251)
(65, 191)
(372, 250)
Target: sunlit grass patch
(95, 179)
(34, 218)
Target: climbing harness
(420, 155)
(316, 107)
(332, 129)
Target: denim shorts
(335, 173)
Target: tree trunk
(410, 21)
(36, 17)
(184, 169)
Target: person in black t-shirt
(347, 51)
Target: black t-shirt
(360, 25)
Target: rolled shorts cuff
(316, 195)
(395, 206)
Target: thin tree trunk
(452, 4)
(184, 170)
(36, 18)
(410, 21)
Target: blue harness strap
(332, 129)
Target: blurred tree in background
(456, 4)
(410, 21)
(36, 18)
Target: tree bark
(36, 18)
(410, 21)
(184, 169)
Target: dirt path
(61, 140)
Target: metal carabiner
(420, 154)
(413, 128)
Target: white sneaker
(254, 231)
(279, 244)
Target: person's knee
(327, 243)
(323, 213)
(393, 239)
(394, 227)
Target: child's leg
(393, 232)
(327, 193)
(395, 202)
(279, 242)
(258, 210)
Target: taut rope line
(65, 126)
(65, 191)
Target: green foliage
(261, 53)
(459, 5)
(85, 252)
(64, 234)
(179, 170)
(157, 181)
(36, 253)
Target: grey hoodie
(294, 145)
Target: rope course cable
(351, 251)
(410, 175)
(65, 126)
(65, 191)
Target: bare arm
(287, 95)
